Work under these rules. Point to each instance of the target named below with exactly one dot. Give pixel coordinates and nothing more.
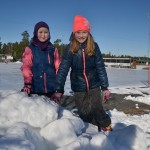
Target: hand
(57, 97)
(105, 95)
(27, 88)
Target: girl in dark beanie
(40, 63)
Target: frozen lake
(11, 77)
(127, 77)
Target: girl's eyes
(43, 32)
(83, 32)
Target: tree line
(16, 49)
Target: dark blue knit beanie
(39, 25)
(42, 45)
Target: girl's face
(81, 36)
(43, 34)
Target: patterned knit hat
(80, 23)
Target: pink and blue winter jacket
(40, 68)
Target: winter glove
(27, 88)
(57, 97)
(105, 95)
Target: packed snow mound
(36, 123)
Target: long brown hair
(90, 46)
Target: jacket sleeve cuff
(27, 83)
(104, 88)
(60, 91)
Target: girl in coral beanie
(88, 75)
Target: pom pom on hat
(80, 23)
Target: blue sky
(120, 27)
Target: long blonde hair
(90, 46)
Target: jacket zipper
(45, 86)
(86, 79)
(48, 58)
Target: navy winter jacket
(86, 72)
(40, 67)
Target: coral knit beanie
(80, 23)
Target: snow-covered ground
(35, 123)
